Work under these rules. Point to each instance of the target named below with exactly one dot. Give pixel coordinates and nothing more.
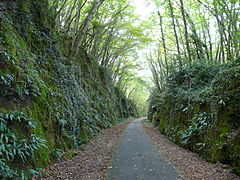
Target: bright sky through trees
(144, 9)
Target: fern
(12, 147)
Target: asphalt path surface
(136, 158)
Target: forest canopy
(70, 68)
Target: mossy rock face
(204, 119)
(69, 102)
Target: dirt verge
(190, 165)
(92, 162)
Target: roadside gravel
(90, 163)
(189, 164)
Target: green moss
(183, 112)
(70, 101)
(69, 154)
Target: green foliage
(21, 86)
(57, 154)
(200, 110)
(196, 96)
(14, 149)
(198, 124)
(6, 81)
(69, 154)
(69, 101)
(15, 117)
(191, 80)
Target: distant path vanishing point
(136, 158)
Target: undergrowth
(15, 149)
(68, 101)
(200, 110)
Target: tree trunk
(186, 31)
(82, 31)
(163, 41)
(175, 32)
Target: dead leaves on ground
(189, 164)
(92, 162)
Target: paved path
(136, 158)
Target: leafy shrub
(14, 149)
(197, 126)
(6, 81)
(200, 110)
(57, 154)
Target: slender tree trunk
(197, 40)
(82, 31)
(163, 41)
(186, 31)
(175, 32)
(76, 21)
(210, 43)
(68, 19)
